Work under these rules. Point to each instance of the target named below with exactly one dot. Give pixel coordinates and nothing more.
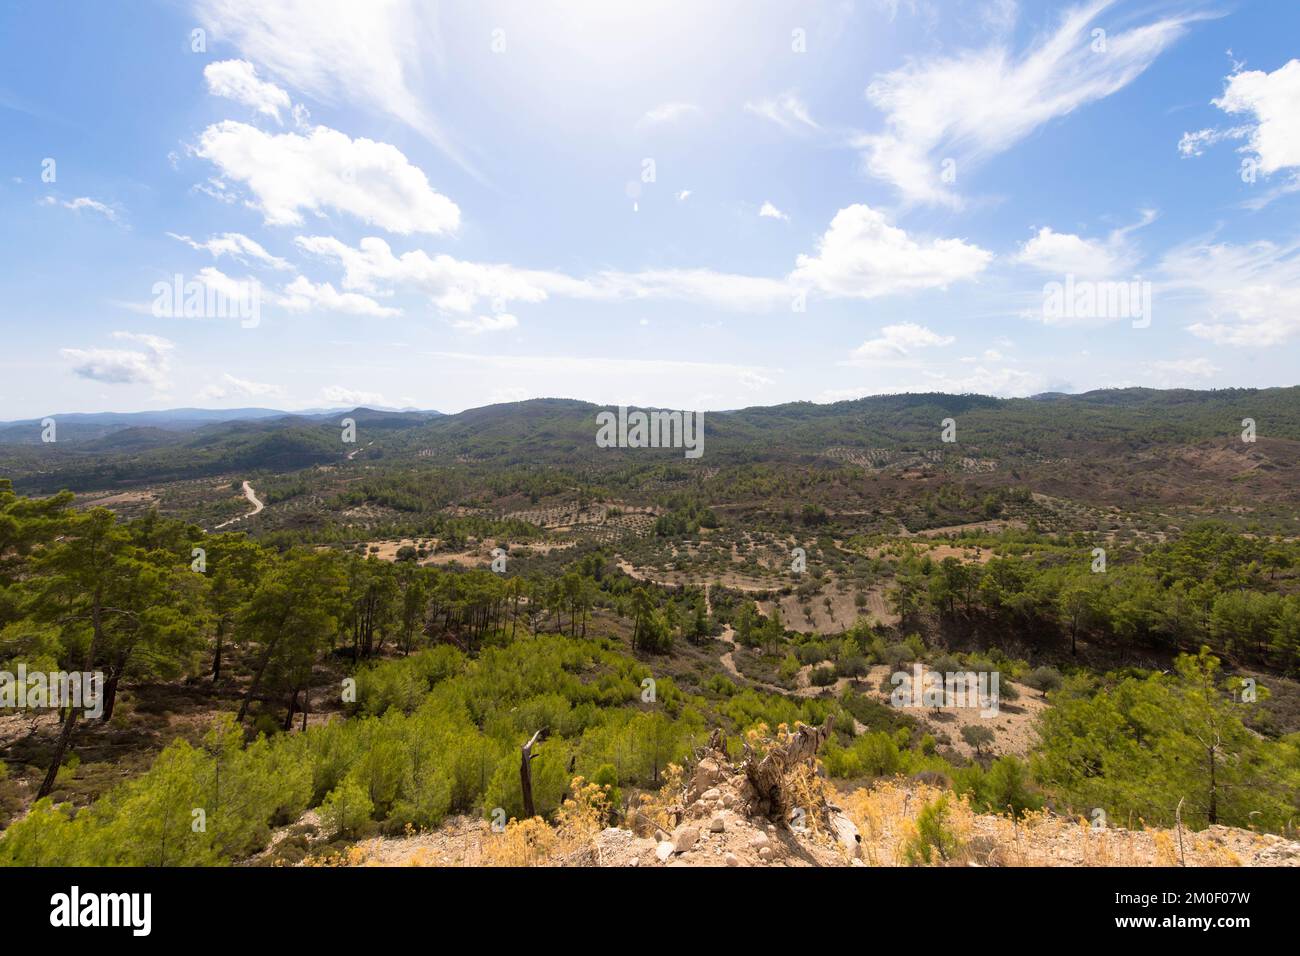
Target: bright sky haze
(676, 204)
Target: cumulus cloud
(237, 80)
(148, 365)
(302, 295)
(973, 104)
(896, 342)
(289, 174)
(769, 211)
(862, 256)
(1273, 101)
(236, 245)
(1064, 253)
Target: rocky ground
(725, 814)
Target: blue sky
(444, 206)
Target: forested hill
(560, 431)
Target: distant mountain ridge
(115, 450)
(90, 426)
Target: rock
(663, 851)
(712, 794)
(684, 838)
(635, 861)
(758, 841)
(765, 853)
(846, 833)
(718, 825)
(732, 859)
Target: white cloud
(998, 382)
(859, 256)
(351, 397)
(787, 110)
(237, 80)
(769, 211)
(1063, 253)
(289, 173)
(487, 323)
(455, 285)
(684, 195)
(1246, 295)
(897, 342)
(974, 104)
(232, 387)
(237, 246)
(228, 288)
(1175, 372)
(301, 295)
(862, 256)
(1273, 100)
(83, 202)
(148, 366)
(372, 54)
(724, 290)
(668, 113)
(1195, 143)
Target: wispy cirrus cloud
(371, 55)
(236, 245)
(1239, 294)
(231, 387)
(668, 113)
(480, 324)
(786, 110)
(973, 104)
(83, 202)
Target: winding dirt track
(253, 500)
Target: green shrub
(933, 842)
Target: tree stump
(526, 773)
(767, 776)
